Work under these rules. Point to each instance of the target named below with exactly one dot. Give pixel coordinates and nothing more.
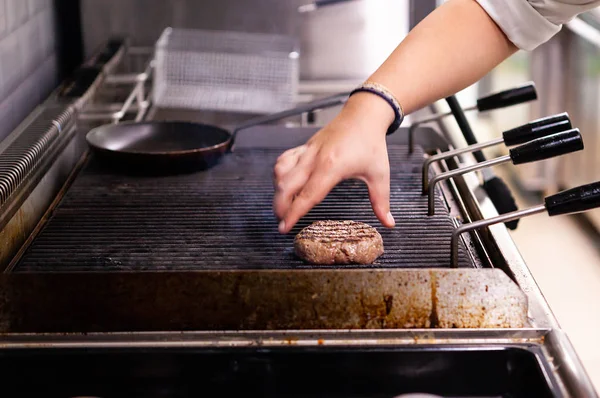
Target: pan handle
(328, 102)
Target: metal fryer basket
(226, 71)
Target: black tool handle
(463, 124)
(323, 3)
(548, 147)
(538, 128)
(496, 189)
(574, 200)
(503, 99)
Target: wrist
(368, 108)
(388, 97)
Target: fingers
(301, 190)
(379, 194)
(287, 161)
(316, 189)
(288, 182)
(283, 166)
(290, 186)
(305, 175)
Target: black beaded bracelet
(388, 97)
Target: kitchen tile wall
(28, 69)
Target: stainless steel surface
(438, 116)
(350, 40)
(138, 99)
(505, 255)
(267, 299)
(454, 173)
(35, 196)
(39, 169)
(28, 168)
(432, 118)
(486, 223)
(96, 209)
(30, 144)
(499, 248)
(453, 153)
(225, 71)
(268, 338)
(567, 365)
(144, 20)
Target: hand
(351, 146)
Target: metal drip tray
(284, 372)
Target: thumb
(379, 194)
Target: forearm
(454, 47)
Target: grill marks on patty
(337, 231)
(338, 242)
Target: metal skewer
(542, 148)
(575, 200)
(519, 135)
(502, 99)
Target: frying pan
(176, 146)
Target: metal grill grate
(222, 219)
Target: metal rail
(458, 172)
(451, 154)
(429, 119)
(137, 100)
(486, 223)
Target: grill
(222, 219)
(96, 275)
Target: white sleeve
(529, 23)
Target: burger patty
(338, 242)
